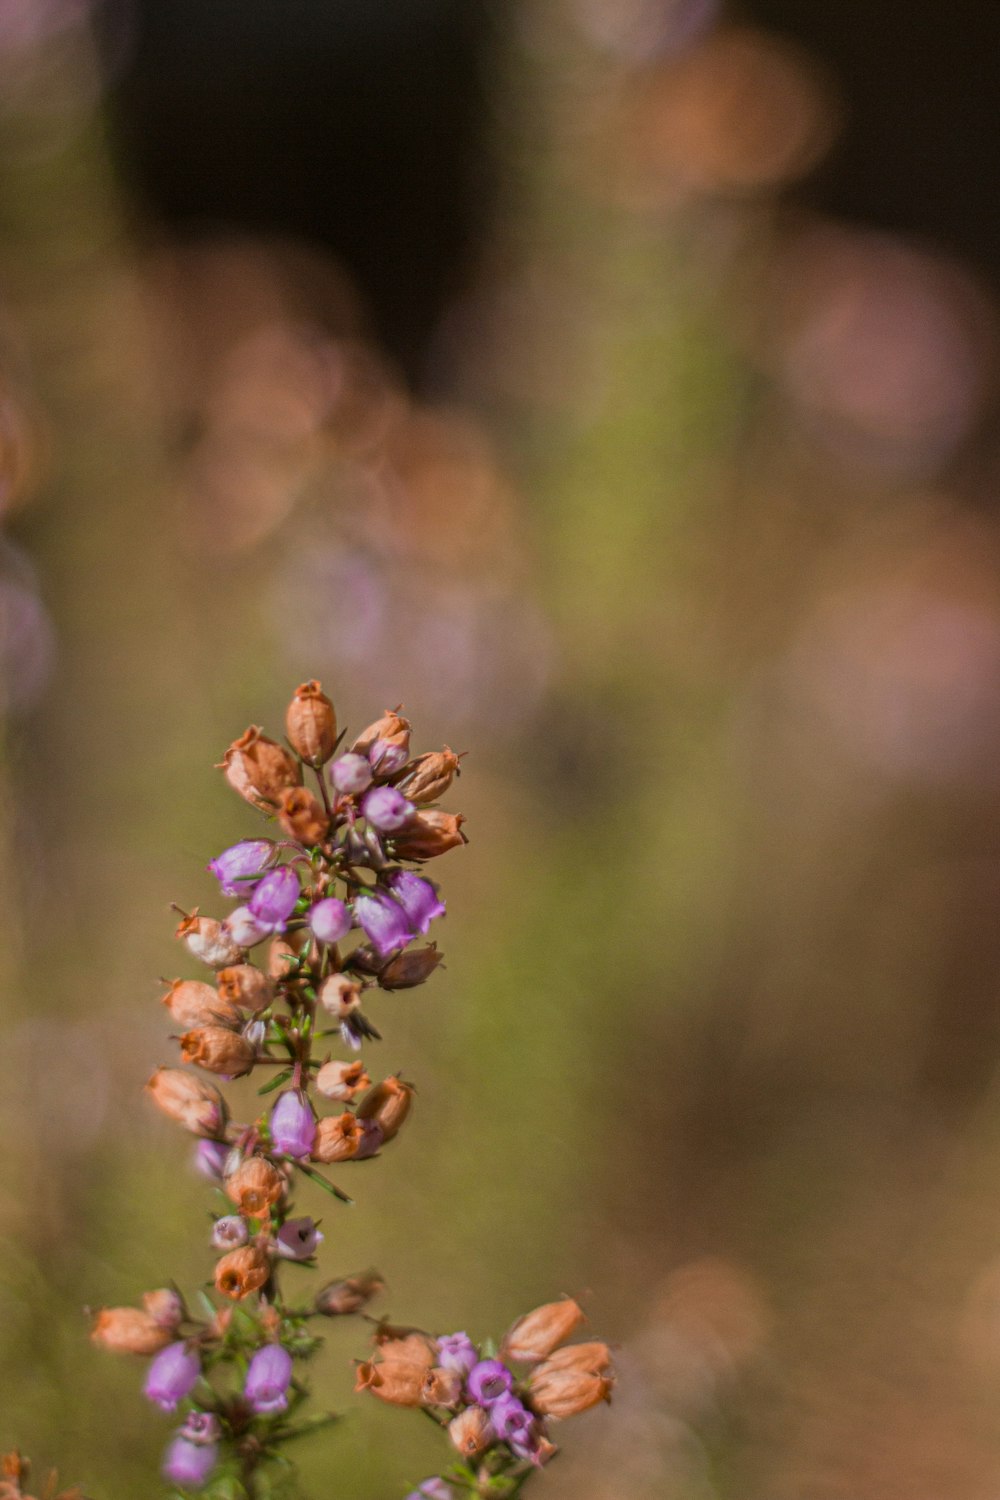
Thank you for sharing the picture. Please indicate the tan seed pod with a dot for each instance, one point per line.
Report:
(302, 815)
(471, 1432)
(388, 1104)
(337, 1138)
(572, 1380)
(218, 1050)
(192, 1003)
(339, 995)
(210, 941)
(349, 1295)
(411, 968)
(429, 776)
(165, 1305)
(441, 1388)
(312, 723)
(534, 1336)
(189, 1100)
(242, 1271)
(400, 1384)
(281, 958)
(258, 768)
(390, 728)
(406, 1346)
(255, 1185)
(430, 833)
(130, 1330)
(246, 986)
(342, 1080)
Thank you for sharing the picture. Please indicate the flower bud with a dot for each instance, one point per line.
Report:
(165, 1305)
(268, 1378)
(245, 986)
(534, 1336)
(254, 1186)
(407, 970)
(173, 1374)
(383, 921)
(311, 724)
(302, 816)
(430, 776)
(386, 809)
(351, 774)
(389, 727)
(457, 1352)
(433, 1489)
(210, 1158)
(201, 1427)
(341, 1298)
(572, 1380)
(237, 868)
(129, 1330)
(337, 1138)
(192, 1003)
(401, 1384)
(388, 1104)
(244, 928)
(229, 1232)
(189, 1464)
(441, 1388)
(298, 1239)
(430, 833)
(218, 1050)
(339, 995)
(471, 1432)
(209, 941)
(342, 1080)
(329, 920)
(273, 902)
(190, 1101)
(242, 1271)
(386, 758)
(293, 1124)
(259, 769)
(418, 898)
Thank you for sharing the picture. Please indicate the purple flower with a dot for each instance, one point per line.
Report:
(298, 1239)
(268, 1379)
(293, 1124)
(237, 868)
(244, 927)
(383, 921)
(229, 1232)
(209, 1158)
(386, 809)
(457, 1352)
(351, 774)
(432, 1489)
(201, 1427)
(417, 897)
(172, 1375)
(387, 758)
(372, 1136)
(488, 1381)
(273, 902)
(189, 1464)
(330, 920)
(511, 1420)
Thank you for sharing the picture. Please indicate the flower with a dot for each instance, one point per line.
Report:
(244, 928)
(383, 920)
(173, 1375)
(293, 1124)
(471, 1431)
(229, 1232)
(572, 1380)
(201, 1427)
(457, 1352)
(330, 920)
(237, 868)
(311, 723)
(268, 1379)
(533, 1337)
(512, 1420)
(432, 1489)
(387, 809)
(129, 1330)
(210, 1158)
(298, 1239)
(342, 1080)
(273, 902)
(242, 1271)
(196, 1105)
(417, 897)
(189, 1464)
(255, 1185)
(488, 1381)
(351, 774)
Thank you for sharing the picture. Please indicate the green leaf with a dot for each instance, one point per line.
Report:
(321, 1181)
(275, 1082)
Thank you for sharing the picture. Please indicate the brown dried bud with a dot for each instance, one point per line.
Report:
(441, 1388)
(340, 1298)
(242, 1271)
(364, 960)
(471, 1432)
(218, 1050)
(129, 1330)
(399, 1383)
(165, 1305)
(406, 1346)
(258, 768)
(245, 986)
(429, 776)
(572, 1380)
(192, 1102)
(339, 995)
(312, 724)
(410, 968)
(430, 833)
(390, 728)
(342, 1080)
(281, 957)
(388, 1104)
(337, 1138)
(192, 1003)
(302, 816)
(255, 1185)
(211, 942)
(533, 1337)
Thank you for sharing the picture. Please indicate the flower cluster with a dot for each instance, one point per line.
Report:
(327, 913)
(496, 1409)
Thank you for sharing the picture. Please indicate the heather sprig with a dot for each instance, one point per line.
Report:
(329, 912)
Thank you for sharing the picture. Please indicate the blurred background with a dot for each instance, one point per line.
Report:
(613, 382)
